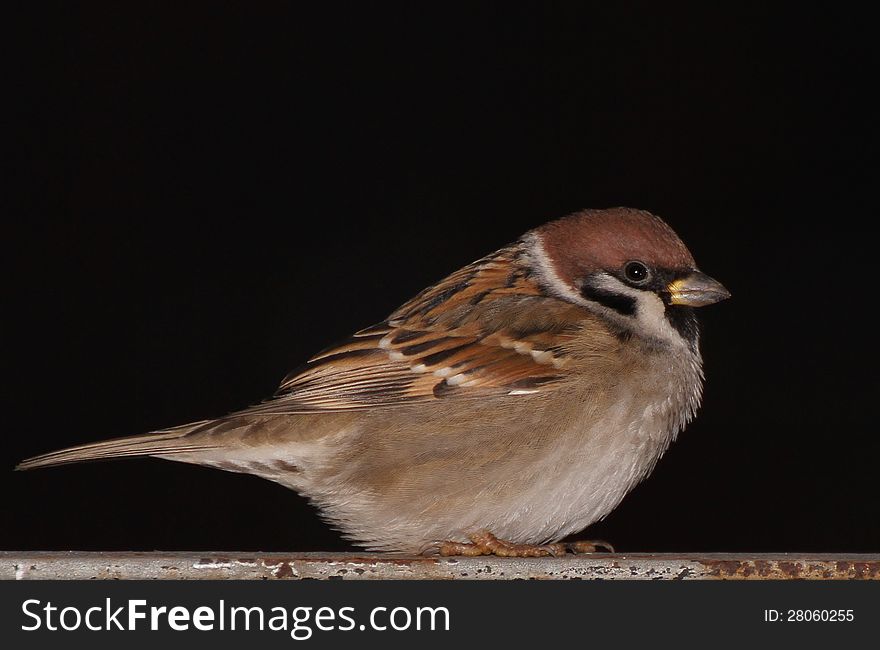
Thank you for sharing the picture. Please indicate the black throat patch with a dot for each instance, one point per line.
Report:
(684, 321)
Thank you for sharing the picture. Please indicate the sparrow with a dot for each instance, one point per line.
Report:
(510, 405)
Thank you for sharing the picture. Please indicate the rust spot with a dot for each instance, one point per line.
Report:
(819, 570)
(762, 567)
(722, 568)
(283, 570)
(866, 569)
(791, 569)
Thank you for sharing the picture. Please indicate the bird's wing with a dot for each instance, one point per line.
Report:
(485, 330)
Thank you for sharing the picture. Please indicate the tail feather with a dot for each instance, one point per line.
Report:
(165, 442)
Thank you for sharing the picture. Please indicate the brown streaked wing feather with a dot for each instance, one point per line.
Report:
(485, 329)
(497, 275)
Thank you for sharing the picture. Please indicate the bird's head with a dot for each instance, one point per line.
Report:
(627, 265)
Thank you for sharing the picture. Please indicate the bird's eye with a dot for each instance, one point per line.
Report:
(636, 272)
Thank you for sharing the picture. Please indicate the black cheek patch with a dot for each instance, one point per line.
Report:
(618, 302)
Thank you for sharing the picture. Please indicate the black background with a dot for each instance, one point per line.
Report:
(212, 193)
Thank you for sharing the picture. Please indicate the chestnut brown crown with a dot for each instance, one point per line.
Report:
(594, 240)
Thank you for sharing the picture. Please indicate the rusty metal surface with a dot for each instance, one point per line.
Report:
(367, 566)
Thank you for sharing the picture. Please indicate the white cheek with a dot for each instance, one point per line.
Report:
(651, 314)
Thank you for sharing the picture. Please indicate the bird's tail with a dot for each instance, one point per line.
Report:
(167, 442)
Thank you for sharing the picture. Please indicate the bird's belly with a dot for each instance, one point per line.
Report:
(407, 491)
(578, 480)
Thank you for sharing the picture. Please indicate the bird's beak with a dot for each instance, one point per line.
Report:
(696, 290)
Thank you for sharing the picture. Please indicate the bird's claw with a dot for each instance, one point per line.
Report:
(485, 543)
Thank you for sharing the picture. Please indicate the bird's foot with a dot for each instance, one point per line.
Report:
(485, 543)
(588, 546)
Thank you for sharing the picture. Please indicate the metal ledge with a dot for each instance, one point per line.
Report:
(75, 565)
